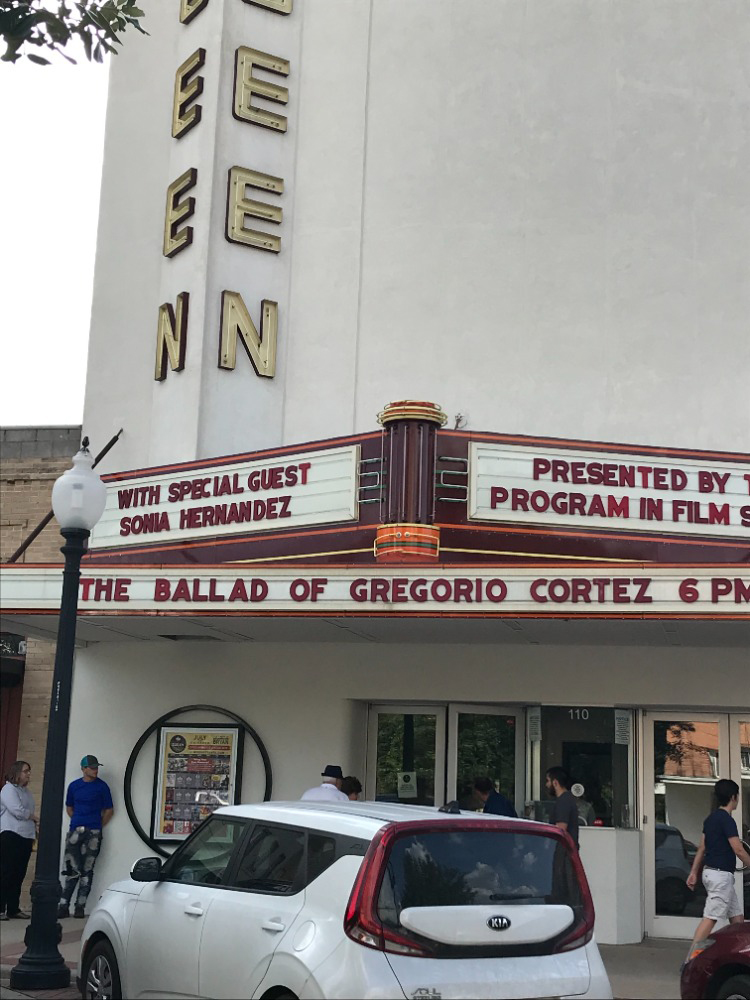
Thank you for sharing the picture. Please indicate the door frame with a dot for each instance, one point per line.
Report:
(664, 926)
(401, 708)
(519, 713)
(735, 772)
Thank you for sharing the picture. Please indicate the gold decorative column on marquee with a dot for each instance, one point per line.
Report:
(408, 533)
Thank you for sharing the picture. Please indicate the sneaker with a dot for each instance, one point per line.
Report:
(3, 916)
(62, 912)
(78, 912)
(19, 915)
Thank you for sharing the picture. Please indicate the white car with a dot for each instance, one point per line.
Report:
(361, 899)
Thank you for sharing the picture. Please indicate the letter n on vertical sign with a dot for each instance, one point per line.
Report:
(190, 9)
(261, 348)
(171, 336)
(186, 90)
(240, 208)
(247, 85)
(178, 210)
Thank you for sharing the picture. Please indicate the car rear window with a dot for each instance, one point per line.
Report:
(476, 868)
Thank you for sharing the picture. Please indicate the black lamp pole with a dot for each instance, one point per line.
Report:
(42, 967)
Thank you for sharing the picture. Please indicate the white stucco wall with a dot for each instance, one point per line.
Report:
(535, 214)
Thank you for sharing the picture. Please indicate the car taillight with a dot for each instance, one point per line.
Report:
(583, 929)
(361, 921)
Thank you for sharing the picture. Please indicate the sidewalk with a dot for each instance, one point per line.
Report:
(646, 971)
(12, 947)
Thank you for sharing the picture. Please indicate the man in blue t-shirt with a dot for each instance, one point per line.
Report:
(89, 804)
(494, 802)
(720, 846)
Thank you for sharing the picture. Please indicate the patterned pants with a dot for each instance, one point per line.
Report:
(82, 847)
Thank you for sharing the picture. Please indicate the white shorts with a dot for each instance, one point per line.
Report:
(722, 901)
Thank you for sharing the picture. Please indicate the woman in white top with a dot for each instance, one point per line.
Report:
(18, 823)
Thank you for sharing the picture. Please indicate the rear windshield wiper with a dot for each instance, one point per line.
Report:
(498, 897)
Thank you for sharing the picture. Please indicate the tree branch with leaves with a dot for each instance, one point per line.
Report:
(50, 25)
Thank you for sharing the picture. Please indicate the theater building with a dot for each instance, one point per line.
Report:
(425, 325)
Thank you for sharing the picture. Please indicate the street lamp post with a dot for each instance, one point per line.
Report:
(78, 500)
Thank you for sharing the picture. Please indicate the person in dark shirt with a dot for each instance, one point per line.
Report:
(564, 812)
(494, 801)
(351, 787)
(719, 848)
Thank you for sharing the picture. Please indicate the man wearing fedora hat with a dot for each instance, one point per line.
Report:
(330, 788)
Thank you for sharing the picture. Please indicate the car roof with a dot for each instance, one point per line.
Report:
(361, 819)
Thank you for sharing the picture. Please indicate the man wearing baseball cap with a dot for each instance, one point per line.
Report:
(89, 805)
(330, 788)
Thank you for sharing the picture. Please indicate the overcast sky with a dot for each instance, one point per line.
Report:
(52, 129)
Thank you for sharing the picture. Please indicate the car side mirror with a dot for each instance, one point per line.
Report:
(146, 870)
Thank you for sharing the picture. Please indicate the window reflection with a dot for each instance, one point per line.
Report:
(406, 758)
(486, 748)
(686, 765)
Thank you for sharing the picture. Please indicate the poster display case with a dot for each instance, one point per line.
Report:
(198, 769)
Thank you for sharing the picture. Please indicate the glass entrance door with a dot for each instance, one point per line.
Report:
(406, 754)
(685, 754)
(485, 742)
(739, 737)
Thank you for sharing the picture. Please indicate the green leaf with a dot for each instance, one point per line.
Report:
(37, 59)
(99, 24)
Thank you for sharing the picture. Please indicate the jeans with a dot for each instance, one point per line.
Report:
(15, 852)
(82, 847)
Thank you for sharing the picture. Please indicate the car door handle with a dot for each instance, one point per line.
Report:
(194, 911)
(273, 924)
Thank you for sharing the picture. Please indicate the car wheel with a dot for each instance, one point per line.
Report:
(101, 977)
(736, 988)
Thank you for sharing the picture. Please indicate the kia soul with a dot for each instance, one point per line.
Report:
(361, 899)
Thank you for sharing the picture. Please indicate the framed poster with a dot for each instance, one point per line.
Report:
(198, 769)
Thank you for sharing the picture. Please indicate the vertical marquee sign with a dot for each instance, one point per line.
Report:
(254, 210)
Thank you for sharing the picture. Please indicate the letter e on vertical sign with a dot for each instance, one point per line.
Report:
(246, 85)
(171, 336)
(261, 348)
(186, 90)
(178, 210)
(190, 9)
(240, 207)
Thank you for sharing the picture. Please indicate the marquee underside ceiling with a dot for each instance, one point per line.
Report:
(659, 633)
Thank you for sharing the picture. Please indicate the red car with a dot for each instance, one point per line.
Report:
(719, 967)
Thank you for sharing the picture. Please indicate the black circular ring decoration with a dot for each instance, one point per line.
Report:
(152, 729)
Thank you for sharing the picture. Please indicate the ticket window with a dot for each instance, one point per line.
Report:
(595, 747)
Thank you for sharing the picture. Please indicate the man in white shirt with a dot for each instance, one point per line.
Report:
(330, 788)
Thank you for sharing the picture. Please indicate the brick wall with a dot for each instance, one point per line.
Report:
(31, 459)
